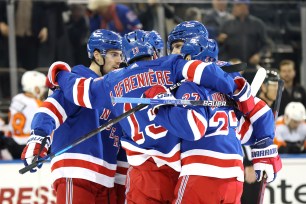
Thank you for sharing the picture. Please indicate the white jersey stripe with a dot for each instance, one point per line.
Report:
(199, 71)
(213, 154)
(86, 93)
(193, 125)
(213, 171)
(75, 91)
(185, 68)
(58, 107)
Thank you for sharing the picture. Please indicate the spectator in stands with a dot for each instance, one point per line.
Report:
(112, 16)
(193, 13)
(251, 188)
(216, 17)
(3, 36)
(291, 91)
(78, 31)
(31, 30)
(58, 42)
(147, 14)
(243, 37)
(22, 109)
(290, 133)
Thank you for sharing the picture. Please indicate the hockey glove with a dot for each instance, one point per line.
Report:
(54, 69)
(244, 98)
(265, 158)
(160, 92)
(36, 148)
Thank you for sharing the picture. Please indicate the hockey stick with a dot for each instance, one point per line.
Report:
(172, 101)
(88, 135)
(258, 80)
(263, 182)
(83, 138)
(234, 67)
(255, 86)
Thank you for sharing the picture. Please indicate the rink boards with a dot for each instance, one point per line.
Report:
(289, 187)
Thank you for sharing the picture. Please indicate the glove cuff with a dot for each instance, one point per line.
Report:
(268, 152)
(39, 139)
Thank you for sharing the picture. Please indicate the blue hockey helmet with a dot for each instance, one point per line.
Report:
(185, 30)
(136, 46)
(201, 48)
(103, 40)
(156, 41)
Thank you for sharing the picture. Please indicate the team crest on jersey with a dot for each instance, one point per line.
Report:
(221, 63)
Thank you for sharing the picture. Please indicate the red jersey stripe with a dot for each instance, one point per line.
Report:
(83, 164)
(191, 69)
(54, 110)
(80, 92)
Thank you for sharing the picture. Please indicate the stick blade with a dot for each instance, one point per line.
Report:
(258, 80)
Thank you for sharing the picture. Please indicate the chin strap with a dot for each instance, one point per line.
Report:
(100, 66)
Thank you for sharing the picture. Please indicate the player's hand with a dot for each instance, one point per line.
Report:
(54, 69)
(249, 174)
(160, 92)
(265, 158)
(243, 95)
(36, 148)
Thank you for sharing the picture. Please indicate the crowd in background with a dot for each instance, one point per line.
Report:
(50, 31)
(247, 32)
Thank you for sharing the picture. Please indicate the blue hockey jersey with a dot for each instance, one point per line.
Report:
(94, 159)
(218, 152)
(144, 139)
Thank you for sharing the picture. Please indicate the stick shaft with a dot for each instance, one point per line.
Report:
(171, 101)
(263, 183)
(83, 138)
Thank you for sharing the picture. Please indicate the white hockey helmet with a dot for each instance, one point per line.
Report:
(295, 111)
(32, 79)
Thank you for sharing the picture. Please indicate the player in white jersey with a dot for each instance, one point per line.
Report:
(22, 110)
(290, 135)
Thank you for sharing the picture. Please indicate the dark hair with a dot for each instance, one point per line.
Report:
(286, 62)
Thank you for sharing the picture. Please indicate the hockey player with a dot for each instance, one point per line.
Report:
(291, 129)
(22, 109)
(146, 144)
(85, 173)
(268, 91)
(251, 188)
(182, 32)
(215, 158)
